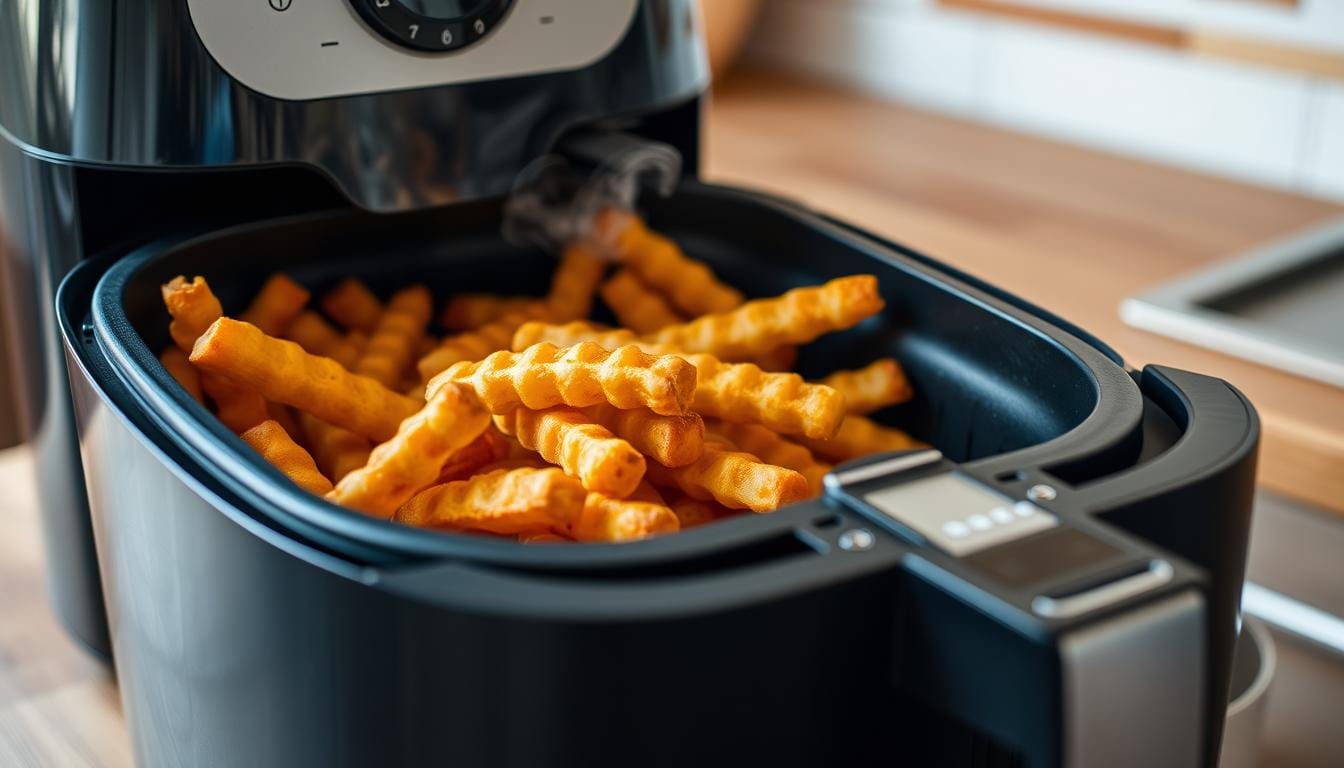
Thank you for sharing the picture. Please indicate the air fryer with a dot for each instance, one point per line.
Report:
(1088, 620)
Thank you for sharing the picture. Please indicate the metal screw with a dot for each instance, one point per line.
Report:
(856, 540)
(1041, 493)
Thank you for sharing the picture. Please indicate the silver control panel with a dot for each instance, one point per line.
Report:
(958, 515)
(313, 49)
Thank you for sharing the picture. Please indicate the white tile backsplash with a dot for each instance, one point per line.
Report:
(1257, 124)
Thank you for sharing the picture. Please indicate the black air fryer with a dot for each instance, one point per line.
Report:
(1055, 583)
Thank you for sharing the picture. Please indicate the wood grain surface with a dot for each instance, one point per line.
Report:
(1070, 229)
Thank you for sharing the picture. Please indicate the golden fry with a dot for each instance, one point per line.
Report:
(476, 345)
(860, 436)
(413, 458)
(544, 376)
(312, 332)
(338, 452)
(503, 501)
(781, 401)
(488, 448)
(637, 307)
(353, 306)
(692, 513)
(607, 519)
(567, 438)
(469, 311)
(574, 283)
(394, 339)
(177, 364)
(735, 480)
(193, 307)
(875, 386)
(769, 447)
(281, 371)
(761, 326)
(673, 441)
(275, 306)
(661, 265)
(569, 334)
(279, 449)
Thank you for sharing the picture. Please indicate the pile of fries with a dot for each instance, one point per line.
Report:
(529, 421)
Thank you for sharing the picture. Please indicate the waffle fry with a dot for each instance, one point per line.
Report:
(338, 452)
(488, 448)
(275, 306)
(574, 283)
(275, 445)
(353, 306)
(637, 307)
(734, 479)
(177, 364)
(469, 311)
(673, 441)
(781, 401)
(761, 326)
(860, 436)
(503, 501)
(567, 438)
(769, 447)
(394, 339)
(569, 334)
(607, 519)
(281, 371)
(312, 332)
(413, 458)
(873, 387)
(661, 265)
(544, 376)
(476, 345)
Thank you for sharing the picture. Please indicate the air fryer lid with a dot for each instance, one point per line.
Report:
(994, 385)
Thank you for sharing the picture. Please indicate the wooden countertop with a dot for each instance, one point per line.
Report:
(1073, 230)
(1070, 229)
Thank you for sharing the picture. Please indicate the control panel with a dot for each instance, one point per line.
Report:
(315, 49)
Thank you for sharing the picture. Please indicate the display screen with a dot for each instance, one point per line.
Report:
(1043, 557)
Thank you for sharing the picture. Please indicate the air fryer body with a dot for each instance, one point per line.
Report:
(118, 123)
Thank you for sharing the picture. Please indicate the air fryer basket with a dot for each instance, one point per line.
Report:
(989, 380)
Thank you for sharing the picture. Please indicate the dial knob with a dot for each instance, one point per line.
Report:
(433, 25)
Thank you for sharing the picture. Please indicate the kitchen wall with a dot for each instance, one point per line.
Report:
(1251, 89)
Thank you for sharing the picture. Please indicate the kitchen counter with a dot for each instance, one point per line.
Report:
(1071, 229)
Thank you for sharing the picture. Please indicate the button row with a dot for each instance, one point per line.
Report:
(960, 529)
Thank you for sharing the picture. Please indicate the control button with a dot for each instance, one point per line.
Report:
(956, 529)
(1041, 492)
(856, 540)
(979, 522)
(1001, 515)
(1024, 509)
(280, 5)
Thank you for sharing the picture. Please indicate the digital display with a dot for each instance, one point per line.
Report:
(957, 514)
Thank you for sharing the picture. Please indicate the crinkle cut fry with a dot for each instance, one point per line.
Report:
(871, 388)
(280, 370)
(571, 440)
(734, 479)
(469, 311)
(177, 364)
(338, 452)
(661, 265)
(607, 519)
(636, 306)
(768, 446)
(353, 306)
(275, 306)
(393, 342)
(760, 326)
(488, 448)
(575, 332)
(544, 376)
(279, 449)
(413, 458)
(312, 332)
(860, 436)
(575, 282)
(781, 401)
(673, 441)
(478, 344)
(503, 502)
